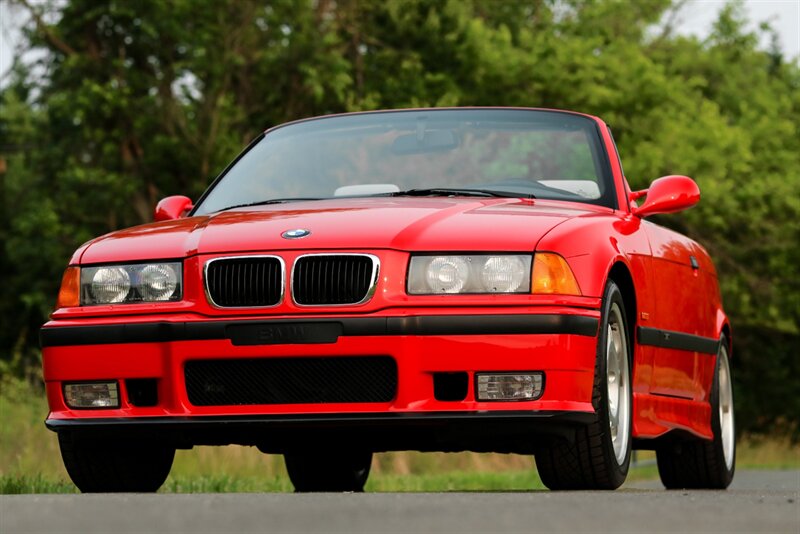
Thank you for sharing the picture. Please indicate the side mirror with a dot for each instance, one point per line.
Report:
(173, 207)
(667, 194)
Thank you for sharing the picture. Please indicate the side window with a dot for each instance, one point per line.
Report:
(616, 150)
(621, 168)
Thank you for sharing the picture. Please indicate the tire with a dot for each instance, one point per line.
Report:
(113, 466)
(333, 471)
(599, 456)
(699, 463)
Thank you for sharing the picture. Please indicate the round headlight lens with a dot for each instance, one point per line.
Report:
(503, 274)
(447, 274)
(157, 282)
(110, 285)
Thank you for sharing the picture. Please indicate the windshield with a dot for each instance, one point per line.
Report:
(508, 152)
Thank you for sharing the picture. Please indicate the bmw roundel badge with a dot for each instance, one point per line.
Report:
(295, 234)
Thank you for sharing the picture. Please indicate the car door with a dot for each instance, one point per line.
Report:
(678, 294)
(710, 305)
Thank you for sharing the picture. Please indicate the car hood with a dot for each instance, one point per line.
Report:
(402, 223)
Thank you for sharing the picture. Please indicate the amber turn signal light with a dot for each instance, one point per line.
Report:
(552, 275)
(69, 294)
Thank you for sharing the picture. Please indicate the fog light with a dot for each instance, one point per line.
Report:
(510, 386)
(92, 395)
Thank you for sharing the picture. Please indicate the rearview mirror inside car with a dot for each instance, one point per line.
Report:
(426, 141)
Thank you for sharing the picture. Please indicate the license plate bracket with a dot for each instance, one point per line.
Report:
(284, 333)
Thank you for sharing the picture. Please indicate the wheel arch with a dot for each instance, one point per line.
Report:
(726, 331)
(620, 274)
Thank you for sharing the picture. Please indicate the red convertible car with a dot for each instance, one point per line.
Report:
(458, 279)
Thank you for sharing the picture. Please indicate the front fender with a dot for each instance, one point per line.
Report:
(593, 244)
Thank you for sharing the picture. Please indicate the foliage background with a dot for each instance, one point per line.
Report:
(128, 102)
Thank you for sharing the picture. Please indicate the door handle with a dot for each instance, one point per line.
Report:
(693, 261)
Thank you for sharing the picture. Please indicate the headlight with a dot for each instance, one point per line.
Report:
(124, 284)
(110, 285)
(478, 273)
(447, 274)
(158, 282)
(505, 274)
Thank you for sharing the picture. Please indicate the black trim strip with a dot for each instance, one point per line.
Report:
(669, 339)
(208, 422)
(292, 331)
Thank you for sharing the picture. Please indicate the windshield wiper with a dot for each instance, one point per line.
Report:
(270, 201)
(447, 191)
(431, 192)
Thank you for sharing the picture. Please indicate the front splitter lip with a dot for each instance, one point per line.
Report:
(321, 420)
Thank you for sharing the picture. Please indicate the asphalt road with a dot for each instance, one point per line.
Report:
(758, 501)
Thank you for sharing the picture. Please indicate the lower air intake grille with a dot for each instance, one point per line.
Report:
(291, 380)
(249, 281)
(323, 279)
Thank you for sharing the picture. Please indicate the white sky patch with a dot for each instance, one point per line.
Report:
(187, 86)
(698, 16)
(10, 35)
(12, 19)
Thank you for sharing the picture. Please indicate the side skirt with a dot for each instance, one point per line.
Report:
(657, 415)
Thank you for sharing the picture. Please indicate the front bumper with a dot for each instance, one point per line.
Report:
(561, 343)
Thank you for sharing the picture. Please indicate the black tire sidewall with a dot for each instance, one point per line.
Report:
(611, 296)
(98, 465)
(725, 475)
(337, 470)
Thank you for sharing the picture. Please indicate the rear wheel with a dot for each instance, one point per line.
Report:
(112, 466)
(702, 463)
(600, 455)
(313, 471)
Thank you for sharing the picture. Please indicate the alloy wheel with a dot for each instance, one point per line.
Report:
(618, 383)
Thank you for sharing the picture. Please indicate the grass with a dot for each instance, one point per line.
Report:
(245, 469)
(766, 452)
(30, 462)
(20, 483)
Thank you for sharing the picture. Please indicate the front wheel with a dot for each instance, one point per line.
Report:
(112, 466)
(703, 464)
(600, 454)
(329, 470)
